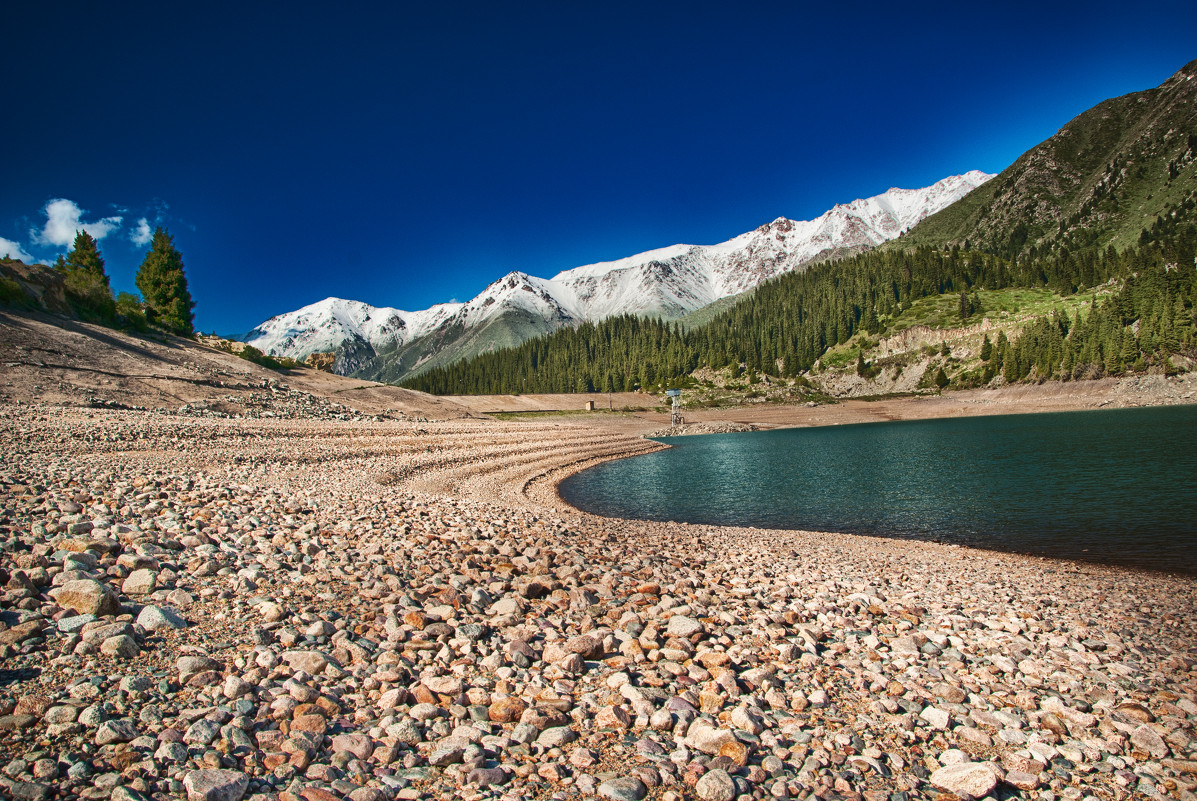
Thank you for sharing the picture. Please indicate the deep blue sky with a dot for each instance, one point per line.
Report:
(405, 154)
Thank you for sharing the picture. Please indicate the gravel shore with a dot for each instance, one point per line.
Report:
(380, 609)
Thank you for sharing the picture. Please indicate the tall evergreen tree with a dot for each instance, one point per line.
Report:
(164, 287)
(85, 257)
(86, 282)
(941, 380)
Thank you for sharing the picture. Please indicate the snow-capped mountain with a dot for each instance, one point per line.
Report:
(669, 282)
(336, 325)
(679, 279)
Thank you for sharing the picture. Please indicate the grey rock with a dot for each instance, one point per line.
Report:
(92, 716)
(72, 624)
(446, 755)
(116, 731)
(406, 731)
(716, 785)
(30, 791)
(171, 752)
(215, 785)
(140, 582)
(158, 618)
(525, 733)
(202, 732)
(127, 794)
(685, 627)
(556, 736)
(624, 788)
(57, 715)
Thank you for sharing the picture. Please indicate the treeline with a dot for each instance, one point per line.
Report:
(165, 300)
(617, 355)
(790, 322)
(1149, 319)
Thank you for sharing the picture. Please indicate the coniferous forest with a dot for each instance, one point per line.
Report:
(1145, 314)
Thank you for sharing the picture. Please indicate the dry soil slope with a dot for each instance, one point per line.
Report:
(54, 359)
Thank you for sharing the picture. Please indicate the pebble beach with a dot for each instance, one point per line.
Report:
(320, 608)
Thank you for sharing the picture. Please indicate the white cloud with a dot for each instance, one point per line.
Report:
(142, 234)
(13, 250)
(64, 219)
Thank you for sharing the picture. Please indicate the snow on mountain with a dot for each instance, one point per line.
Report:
(670, 281)
(327, 325)
(518, 291)
(676, 280)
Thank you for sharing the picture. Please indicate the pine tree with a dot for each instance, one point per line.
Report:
(164, 287)
(85, 257)
(86, 282)
(1010, 369)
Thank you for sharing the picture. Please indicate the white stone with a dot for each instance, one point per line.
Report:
(974, 778)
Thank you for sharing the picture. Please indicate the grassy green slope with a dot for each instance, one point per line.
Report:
(700, 317)
(1100, 180)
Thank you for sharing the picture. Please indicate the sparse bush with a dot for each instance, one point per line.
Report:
(130, 313)
(252, 354)
(11, 293)
(868, 370)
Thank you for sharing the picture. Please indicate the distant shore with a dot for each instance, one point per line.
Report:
(1054, 396)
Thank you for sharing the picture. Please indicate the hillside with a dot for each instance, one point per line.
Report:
(51, 357)
(1103, 178)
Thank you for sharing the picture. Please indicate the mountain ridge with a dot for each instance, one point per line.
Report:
(1102, 178)
(670, 282)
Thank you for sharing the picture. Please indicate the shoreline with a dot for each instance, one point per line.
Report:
(1044, 399)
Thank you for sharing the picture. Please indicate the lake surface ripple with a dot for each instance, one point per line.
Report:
(1116, 486)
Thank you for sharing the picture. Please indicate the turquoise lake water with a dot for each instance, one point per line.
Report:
(1116, 486)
